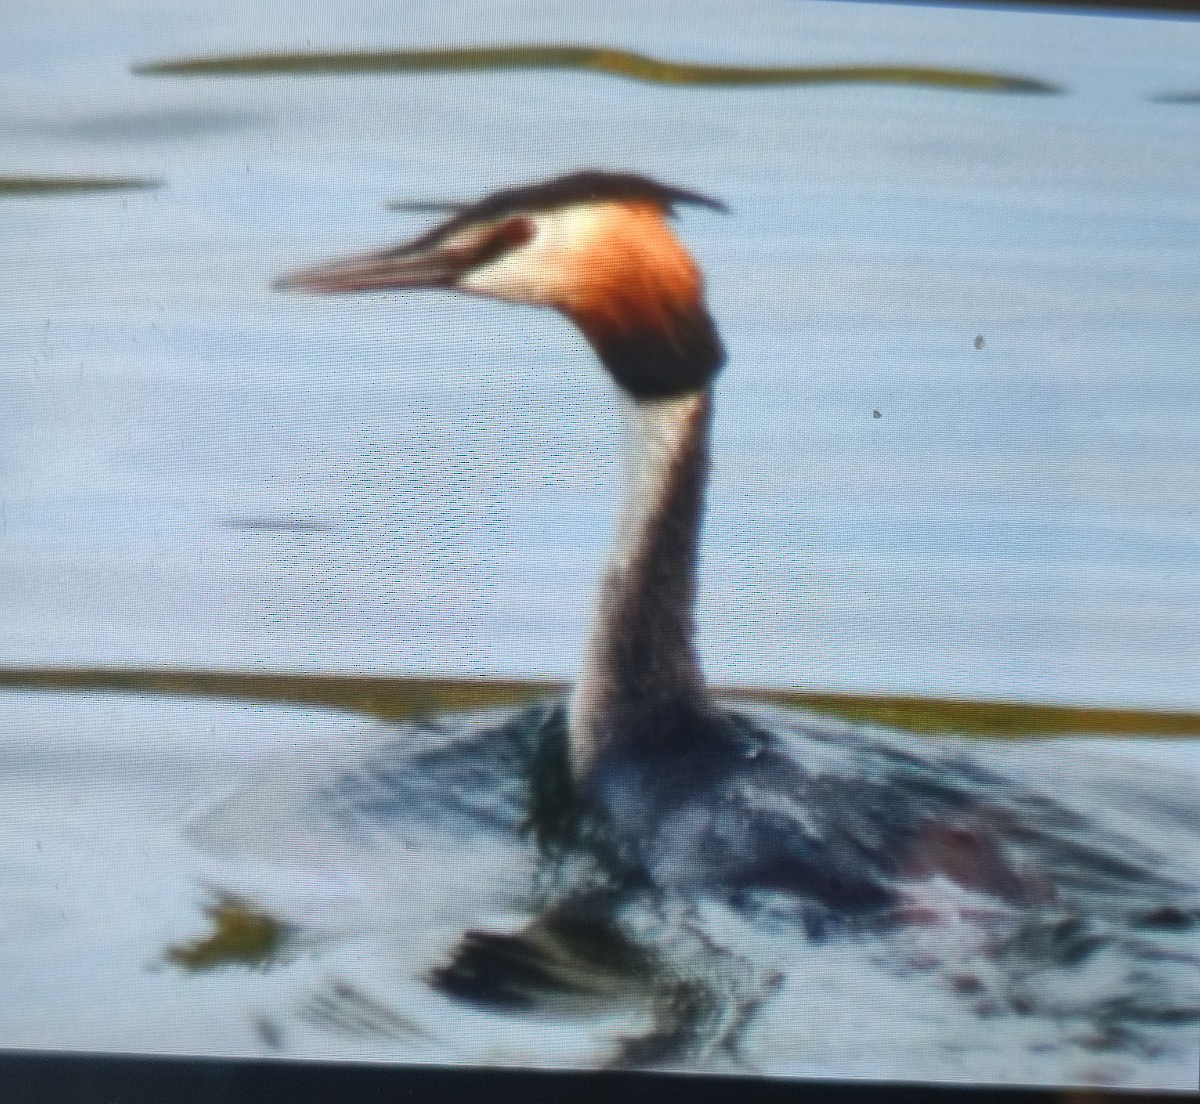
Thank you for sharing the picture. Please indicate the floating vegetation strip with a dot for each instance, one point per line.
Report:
(390, 698)
(398, 698)
(949, 716)
(53, 185)
(594, 59)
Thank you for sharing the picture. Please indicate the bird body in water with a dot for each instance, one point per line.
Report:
(597, 247)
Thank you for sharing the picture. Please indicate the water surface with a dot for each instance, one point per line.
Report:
(955, 490)
(241, 879)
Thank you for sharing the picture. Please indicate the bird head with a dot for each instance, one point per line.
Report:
(595, 246)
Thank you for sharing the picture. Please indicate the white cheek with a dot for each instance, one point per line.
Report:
(544, 271)
(524, 275)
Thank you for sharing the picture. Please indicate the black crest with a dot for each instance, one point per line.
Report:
(586, 186)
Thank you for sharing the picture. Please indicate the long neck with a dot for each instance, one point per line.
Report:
(640, 665)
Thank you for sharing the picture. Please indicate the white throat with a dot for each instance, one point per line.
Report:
(655, 433)
(640, 661)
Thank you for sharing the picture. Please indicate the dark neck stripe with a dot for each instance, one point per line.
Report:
(662, 362)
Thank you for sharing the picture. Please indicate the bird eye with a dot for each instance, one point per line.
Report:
(507, 235)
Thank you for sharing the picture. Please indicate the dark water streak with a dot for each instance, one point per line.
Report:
(58, 185)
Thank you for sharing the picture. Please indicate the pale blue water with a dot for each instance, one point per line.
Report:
(195, 471)
(1021, 521)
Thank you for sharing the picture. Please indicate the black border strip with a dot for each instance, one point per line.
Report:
(66, 1078)
(1133, 9)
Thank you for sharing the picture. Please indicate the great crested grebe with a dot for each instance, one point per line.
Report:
(686, 793)
(596, 247)
(676, 790)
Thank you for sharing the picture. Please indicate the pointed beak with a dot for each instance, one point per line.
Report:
(406, 266)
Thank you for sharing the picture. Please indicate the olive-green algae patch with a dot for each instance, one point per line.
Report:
(242, 935)
(63, 185)
(593, 59)
(401, 698)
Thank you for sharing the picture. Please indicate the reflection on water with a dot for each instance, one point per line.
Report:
(305, 881)
(619, 63)
(1026, 932)
(276, 524)
(242, 934)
